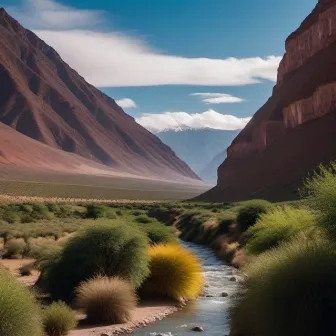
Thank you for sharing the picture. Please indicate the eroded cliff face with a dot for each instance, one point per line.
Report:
(295, 130)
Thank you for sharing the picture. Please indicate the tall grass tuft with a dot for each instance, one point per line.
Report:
(320, 193)
(288, 291)
(107, 300)
(175, 273)
(113, 249)
(58, 319)
(250, 211)
(278, 226)
(19, 312)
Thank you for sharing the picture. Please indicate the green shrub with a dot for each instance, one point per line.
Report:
(107, 300)
(26, 218)
(11, 217)
(278, 226)
(58, 319)
(320, 193)
(288, 291)
(143, 219)
(113, 249)
(53, 207)
(249, 212)
(26, 208)
(100, 211)
(19, 312)
(224, 222)
(159, 233)
(15, 248)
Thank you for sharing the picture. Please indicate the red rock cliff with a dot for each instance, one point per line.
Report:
(43, 98)
(295, 130)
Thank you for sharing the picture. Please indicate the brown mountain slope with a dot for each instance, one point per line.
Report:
(18, 150)
(43, 98)
(295, 130)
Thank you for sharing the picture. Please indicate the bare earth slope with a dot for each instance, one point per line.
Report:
(43, 98)
(295, 130)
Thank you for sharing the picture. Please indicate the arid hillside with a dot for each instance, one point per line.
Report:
(46, 100)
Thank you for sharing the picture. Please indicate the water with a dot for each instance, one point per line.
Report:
(208, 312)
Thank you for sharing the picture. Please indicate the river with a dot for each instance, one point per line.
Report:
(209, 311)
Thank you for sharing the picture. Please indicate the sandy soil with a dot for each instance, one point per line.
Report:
(147, 312)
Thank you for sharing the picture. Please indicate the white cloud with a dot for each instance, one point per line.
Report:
(217, 98)
(48, 14)
(181, 120)
(126, 103)
(108, 59)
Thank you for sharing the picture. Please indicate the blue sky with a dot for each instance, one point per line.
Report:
(159, 53)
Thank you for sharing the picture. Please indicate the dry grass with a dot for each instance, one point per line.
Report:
(107, 300)
(175, 273)
(58, 319)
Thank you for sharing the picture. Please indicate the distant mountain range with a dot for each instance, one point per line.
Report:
(43, 98)
(200, 149)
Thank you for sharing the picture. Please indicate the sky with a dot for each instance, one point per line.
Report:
(171, 64)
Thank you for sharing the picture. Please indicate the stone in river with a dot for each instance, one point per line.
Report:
(197, 329)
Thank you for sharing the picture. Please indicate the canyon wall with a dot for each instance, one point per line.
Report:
(295, 130)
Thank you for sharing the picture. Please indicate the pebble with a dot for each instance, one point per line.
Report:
(233, 279)
(225, 294)
(106, 334)
(197, 329)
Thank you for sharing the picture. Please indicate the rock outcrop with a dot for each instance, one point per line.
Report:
(44, 99)
(295, 130)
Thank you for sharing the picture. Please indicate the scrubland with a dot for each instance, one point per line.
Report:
(88, 253)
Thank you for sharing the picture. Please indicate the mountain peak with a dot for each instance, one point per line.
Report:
(44, 98)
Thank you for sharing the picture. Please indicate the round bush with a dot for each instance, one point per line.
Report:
(106, 249)
(15, 248)
(107, 300)
(11, 217)
(288, 291)
(278, 226)
(58, 319)
(250, 212)
(158, 233)
(175, 273)
(19, 312)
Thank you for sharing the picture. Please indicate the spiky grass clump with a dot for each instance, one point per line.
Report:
(58, 319)
(175, 273)
(288, 291)
(250, 211)
(112, 249)
(278, 226)
(107, 300)
(19, 312)
(320, 193)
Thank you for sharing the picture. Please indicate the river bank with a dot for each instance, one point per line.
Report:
(210, 310)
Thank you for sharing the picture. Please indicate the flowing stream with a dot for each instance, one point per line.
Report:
(209, 311)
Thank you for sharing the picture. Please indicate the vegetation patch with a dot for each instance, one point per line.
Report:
(58, 319)
(19, 312)
(175, 273)
(107, 300)
(109, 249)
(288, 291)
(280, 225)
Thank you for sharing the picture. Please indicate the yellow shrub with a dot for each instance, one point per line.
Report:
(175, 273)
